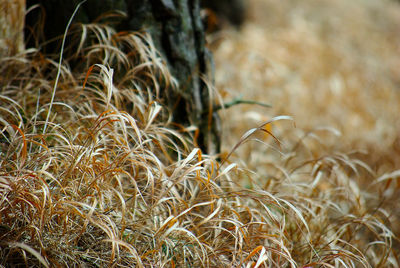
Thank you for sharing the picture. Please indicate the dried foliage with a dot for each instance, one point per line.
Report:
(108, 180)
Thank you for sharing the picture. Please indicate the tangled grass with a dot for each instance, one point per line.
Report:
(109, 180)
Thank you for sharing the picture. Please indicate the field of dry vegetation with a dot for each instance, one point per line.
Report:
(95, 174)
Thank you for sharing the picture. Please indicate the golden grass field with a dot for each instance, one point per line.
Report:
(99, 176)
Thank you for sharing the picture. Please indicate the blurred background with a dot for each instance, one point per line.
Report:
(328, 64)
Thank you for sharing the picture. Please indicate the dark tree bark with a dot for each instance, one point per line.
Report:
(177, 31)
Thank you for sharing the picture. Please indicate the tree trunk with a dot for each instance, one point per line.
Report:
(177, 32)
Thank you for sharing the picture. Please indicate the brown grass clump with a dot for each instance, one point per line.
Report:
(11, 27)
(103, 178)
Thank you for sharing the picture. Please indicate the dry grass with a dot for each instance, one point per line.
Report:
(326, 63)
(334, 67)
(108, 180)
(11, 27)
